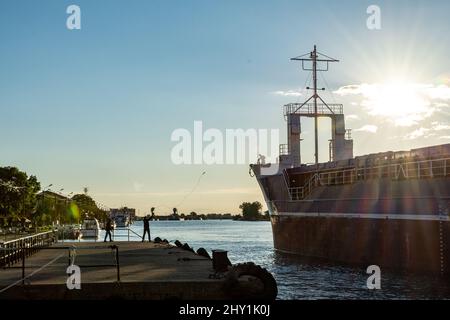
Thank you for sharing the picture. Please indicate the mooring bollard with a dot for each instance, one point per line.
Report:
(220, 260)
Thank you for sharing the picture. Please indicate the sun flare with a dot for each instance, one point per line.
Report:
(402, 101)
(405, 103)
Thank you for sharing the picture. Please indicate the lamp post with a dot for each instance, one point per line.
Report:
(56, 207)
(67, 203)
(43, 192)
(45, 189)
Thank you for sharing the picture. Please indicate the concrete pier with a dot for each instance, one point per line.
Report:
(147, 271)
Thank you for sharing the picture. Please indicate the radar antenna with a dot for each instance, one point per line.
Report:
(315, 57)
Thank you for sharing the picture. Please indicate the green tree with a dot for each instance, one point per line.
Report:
(61, 211)
(251, 210)
(17, 195)
(52, 208)
(87, 206)
(175, 213)
(45, 212)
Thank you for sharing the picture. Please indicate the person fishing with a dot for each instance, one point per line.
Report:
(108, 228)
(147, 227)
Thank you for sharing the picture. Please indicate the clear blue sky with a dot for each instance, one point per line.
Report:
(96, 107)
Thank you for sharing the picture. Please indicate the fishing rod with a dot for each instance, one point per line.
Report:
(188, 194)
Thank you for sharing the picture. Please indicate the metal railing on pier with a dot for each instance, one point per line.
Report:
(129, 232)
(26, 252)
(64, 235)
(14, 253)
(13, 250)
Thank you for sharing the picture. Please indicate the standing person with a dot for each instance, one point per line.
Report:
(108, 228)
(146, 228)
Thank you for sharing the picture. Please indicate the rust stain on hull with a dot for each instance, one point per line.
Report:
(407, 245)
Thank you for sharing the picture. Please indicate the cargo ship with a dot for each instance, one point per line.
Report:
(389, 209)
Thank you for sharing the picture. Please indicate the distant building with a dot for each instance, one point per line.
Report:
(52, 195)
(130, 212)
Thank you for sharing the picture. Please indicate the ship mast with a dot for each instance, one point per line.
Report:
(314, 58)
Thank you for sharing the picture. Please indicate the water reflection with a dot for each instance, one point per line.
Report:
(303, 278)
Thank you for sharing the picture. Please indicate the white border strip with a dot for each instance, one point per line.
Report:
(367, 216)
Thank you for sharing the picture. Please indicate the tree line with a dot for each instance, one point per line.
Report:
(250, 211)
(22, 202)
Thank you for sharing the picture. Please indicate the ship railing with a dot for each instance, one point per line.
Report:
(296, 193)
(338, 177)
(421, 169)
(284, 149)
(312, 182)
(286, 179)
(299, 193)
(308, 109)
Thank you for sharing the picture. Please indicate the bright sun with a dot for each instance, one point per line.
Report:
(403, 102)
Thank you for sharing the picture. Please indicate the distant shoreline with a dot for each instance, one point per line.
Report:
(232, 218)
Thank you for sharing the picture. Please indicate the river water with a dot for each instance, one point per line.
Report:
(296, 278)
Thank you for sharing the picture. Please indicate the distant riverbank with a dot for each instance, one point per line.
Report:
(177, 217)
(209, 216)
(261, 218)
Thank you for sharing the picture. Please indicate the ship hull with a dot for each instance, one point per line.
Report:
(409, 245)
(388, 209)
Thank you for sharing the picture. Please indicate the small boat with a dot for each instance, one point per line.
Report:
(73, 232)
(90, 229)
(121, 221)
